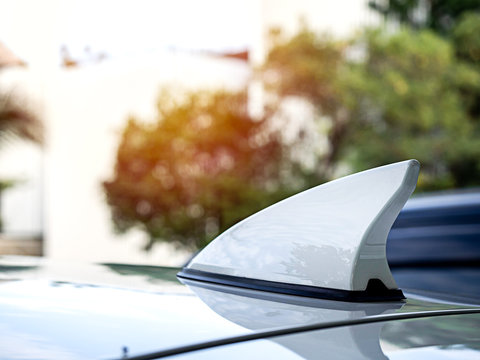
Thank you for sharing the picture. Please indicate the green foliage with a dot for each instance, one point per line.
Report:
(440, 16)
(443, 15)
(306, 65)
(466, 38)
(202, 166)
(404, 95)
(309, 66)
(406, 103)
(443, 91)
(401, 10)
(466, 41)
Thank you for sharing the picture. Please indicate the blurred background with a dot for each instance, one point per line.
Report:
(137, 131)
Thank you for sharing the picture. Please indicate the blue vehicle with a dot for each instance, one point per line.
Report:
(434, 245)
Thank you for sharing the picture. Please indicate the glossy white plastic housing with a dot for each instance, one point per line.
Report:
(331, 236)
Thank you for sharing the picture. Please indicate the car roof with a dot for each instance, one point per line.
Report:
(372, 340)
(112, 312)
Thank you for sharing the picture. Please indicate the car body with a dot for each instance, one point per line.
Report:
(444, 230)
(233, 309)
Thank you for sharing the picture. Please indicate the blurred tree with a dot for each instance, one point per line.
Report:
(308, 66)
(16, 122)
(438, 15)
(466, 38)
(202, 166)
(457, 20)
(406, 102)
(399, 10)
(205, 164)
(389, 97)
(466, 41)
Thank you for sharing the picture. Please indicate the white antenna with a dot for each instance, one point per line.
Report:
(328, 241)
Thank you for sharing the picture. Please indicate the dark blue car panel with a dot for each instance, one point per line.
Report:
(434, 244)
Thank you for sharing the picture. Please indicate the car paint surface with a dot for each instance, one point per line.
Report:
(443, 228)
(50, 315)
(434, 245)
(439, 338)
